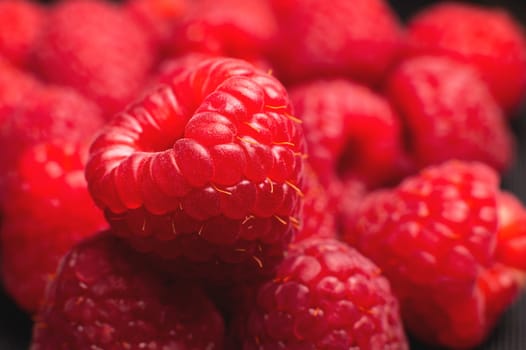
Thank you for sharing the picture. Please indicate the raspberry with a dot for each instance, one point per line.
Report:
(325, 295)
(14, 86)
(47, 113)
(20, 26)
(319, 208)
(350, 131)
(105, 297)
(449, 113)
(511, 246)
(434, 237)
(158, 17)
(235, 28)
(360, 39)
(206, 168)
(487, 38)
(96, 48)
(47, 210)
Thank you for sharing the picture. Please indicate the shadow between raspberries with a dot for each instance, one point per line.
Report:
(15, 325)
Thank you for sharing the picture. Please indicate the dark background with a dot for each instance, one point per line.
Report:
(510, 333)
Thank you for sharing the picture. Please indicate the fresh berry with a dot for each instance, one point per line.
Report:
(47, 113)
(159, 17)
(206, 168)
(449, 113)
(434, 237)
(104, 296)
(489, 39)
(350, 131)
(47, 209)
(21, 22)
(96, 48)
(325, 295)
(319, 209)
(511, 246)
(360, 39)
(235, 28)
(14, 87)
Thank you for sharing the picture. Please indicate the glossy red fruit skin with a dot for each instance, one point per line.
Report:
(351, 132)
(20, 25)
(434, 236)
(448, 113)
(97, 48)
(207, 168)
(47, 209)
(325, 295)
(106, 296)
(361, 39)
(487, 38)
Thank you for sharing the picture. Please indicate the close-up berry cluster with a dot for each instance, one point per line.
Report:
(262, 175)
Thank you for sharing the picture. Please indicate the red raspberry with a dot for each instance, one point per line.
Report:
(319, 209)
(105, 297)
(449, 113)
(325, 295)
(434, 237)
(359, 38)
(236, 28)
(158, 17)
(206, 168)
(95, 47)
(487, 38)
(20, 25)
(14, 86)
(47, 113)
(511, 246)
(350, 131)
(47, 210)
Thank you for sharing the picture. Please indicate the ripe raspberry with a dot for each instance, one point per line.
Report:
(360, 39)
(96, 48)
(158, 17)
(47, 113)
(206, 168)
(14, 86)
(487, 38)
(235, 28)
(325, 295)
(20, 26)
(47, 209)
(449, 113)
(434, 237)
(511, 245)
(350, 131)
(319, 209)
(105, 297)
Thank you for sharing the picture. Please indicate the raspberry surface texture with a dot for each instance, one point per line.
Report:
(235, 28)
(487, 38)
(325, 295)
(511, 246)
(448, 113)
(96, 48)
(44, 114)
(21, 22)
(351, 131)
(206, 168)
(434, 237)
(360, 39)
(105, 297)
(46, 210)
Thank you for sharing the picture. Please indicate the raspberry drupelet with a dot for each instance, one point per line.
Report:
(205, 169)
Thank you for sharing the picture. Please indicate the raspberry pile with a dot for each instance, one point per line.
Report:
(257, 175)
